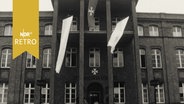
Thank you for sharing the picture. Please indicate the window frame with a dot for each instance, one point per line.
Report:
(94, 60)
(181, 88)
(8, 55)
(140, 33)
(158, 89)
(9, 31)
(119, 88)
(45, 91)
(142, 52)
(4, 94)
(47, 57)
(179, 55)
(48, 32)
(70, 88)
(175, 31)
(115, 20)
(145, 87)
(74, 25)
(97, 24)
(152, 31)
(120, 55)
(31, 63)
(155, 58)
(70, 52)
(27, 91)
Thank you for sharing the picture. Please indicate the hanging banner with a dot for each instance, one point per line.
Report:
(25, 27)
(117, 33)
(91, 14)
(63, 42)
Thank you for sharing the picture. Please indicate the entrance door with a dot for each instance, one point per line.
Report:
(94, 97)
(95, 93)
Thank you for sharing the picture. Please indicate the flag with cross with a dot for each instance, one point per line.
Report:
(91, 11)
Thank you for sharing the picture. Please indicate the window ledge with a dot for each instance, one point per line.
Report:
(5, 68)
(181, 69)
(156, 68)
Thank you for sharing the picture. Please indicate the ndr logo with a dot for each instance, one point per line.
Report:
(25, 41)
(25, 34)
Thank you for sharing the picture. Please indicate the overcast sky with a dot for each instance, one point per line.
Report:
(164, 6)
(156, 6)
(44, 5)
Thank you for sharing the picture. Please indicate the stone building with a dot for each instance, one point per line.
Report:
(151, 49)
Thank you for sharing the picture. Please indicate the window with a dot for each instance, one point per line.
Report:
(119, 93)
(48, 29)
(71, 57)
(115, 20)
(145, 93)
(30, 61)
(142, 55)
(70, 93)
(29, 93)
(45, 94)
(153, 31)
(181, 91)
(6, 58)
(180, 58)
(118, 60)
(160, 98)
(156, 58)
(47, 58)
(140, 31)
(8, 30)
(94, 57)
(74, 24)
(97, 24)
(3, 93)
(177, 31)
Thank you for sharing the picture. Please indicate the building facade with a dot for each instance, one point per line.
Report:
(160, 46)
(152, 48)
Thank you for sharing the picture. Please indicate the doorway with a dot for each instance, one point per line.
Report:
(95, 93)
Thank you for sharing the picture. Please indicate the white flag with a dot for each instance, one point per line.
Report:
(63, 42)
(117, 33)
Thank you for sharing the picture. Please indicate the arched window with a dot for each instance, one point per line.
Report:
(153, 30)
(48, 29)
(46, 58)
(6, 58)
(8, 30)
